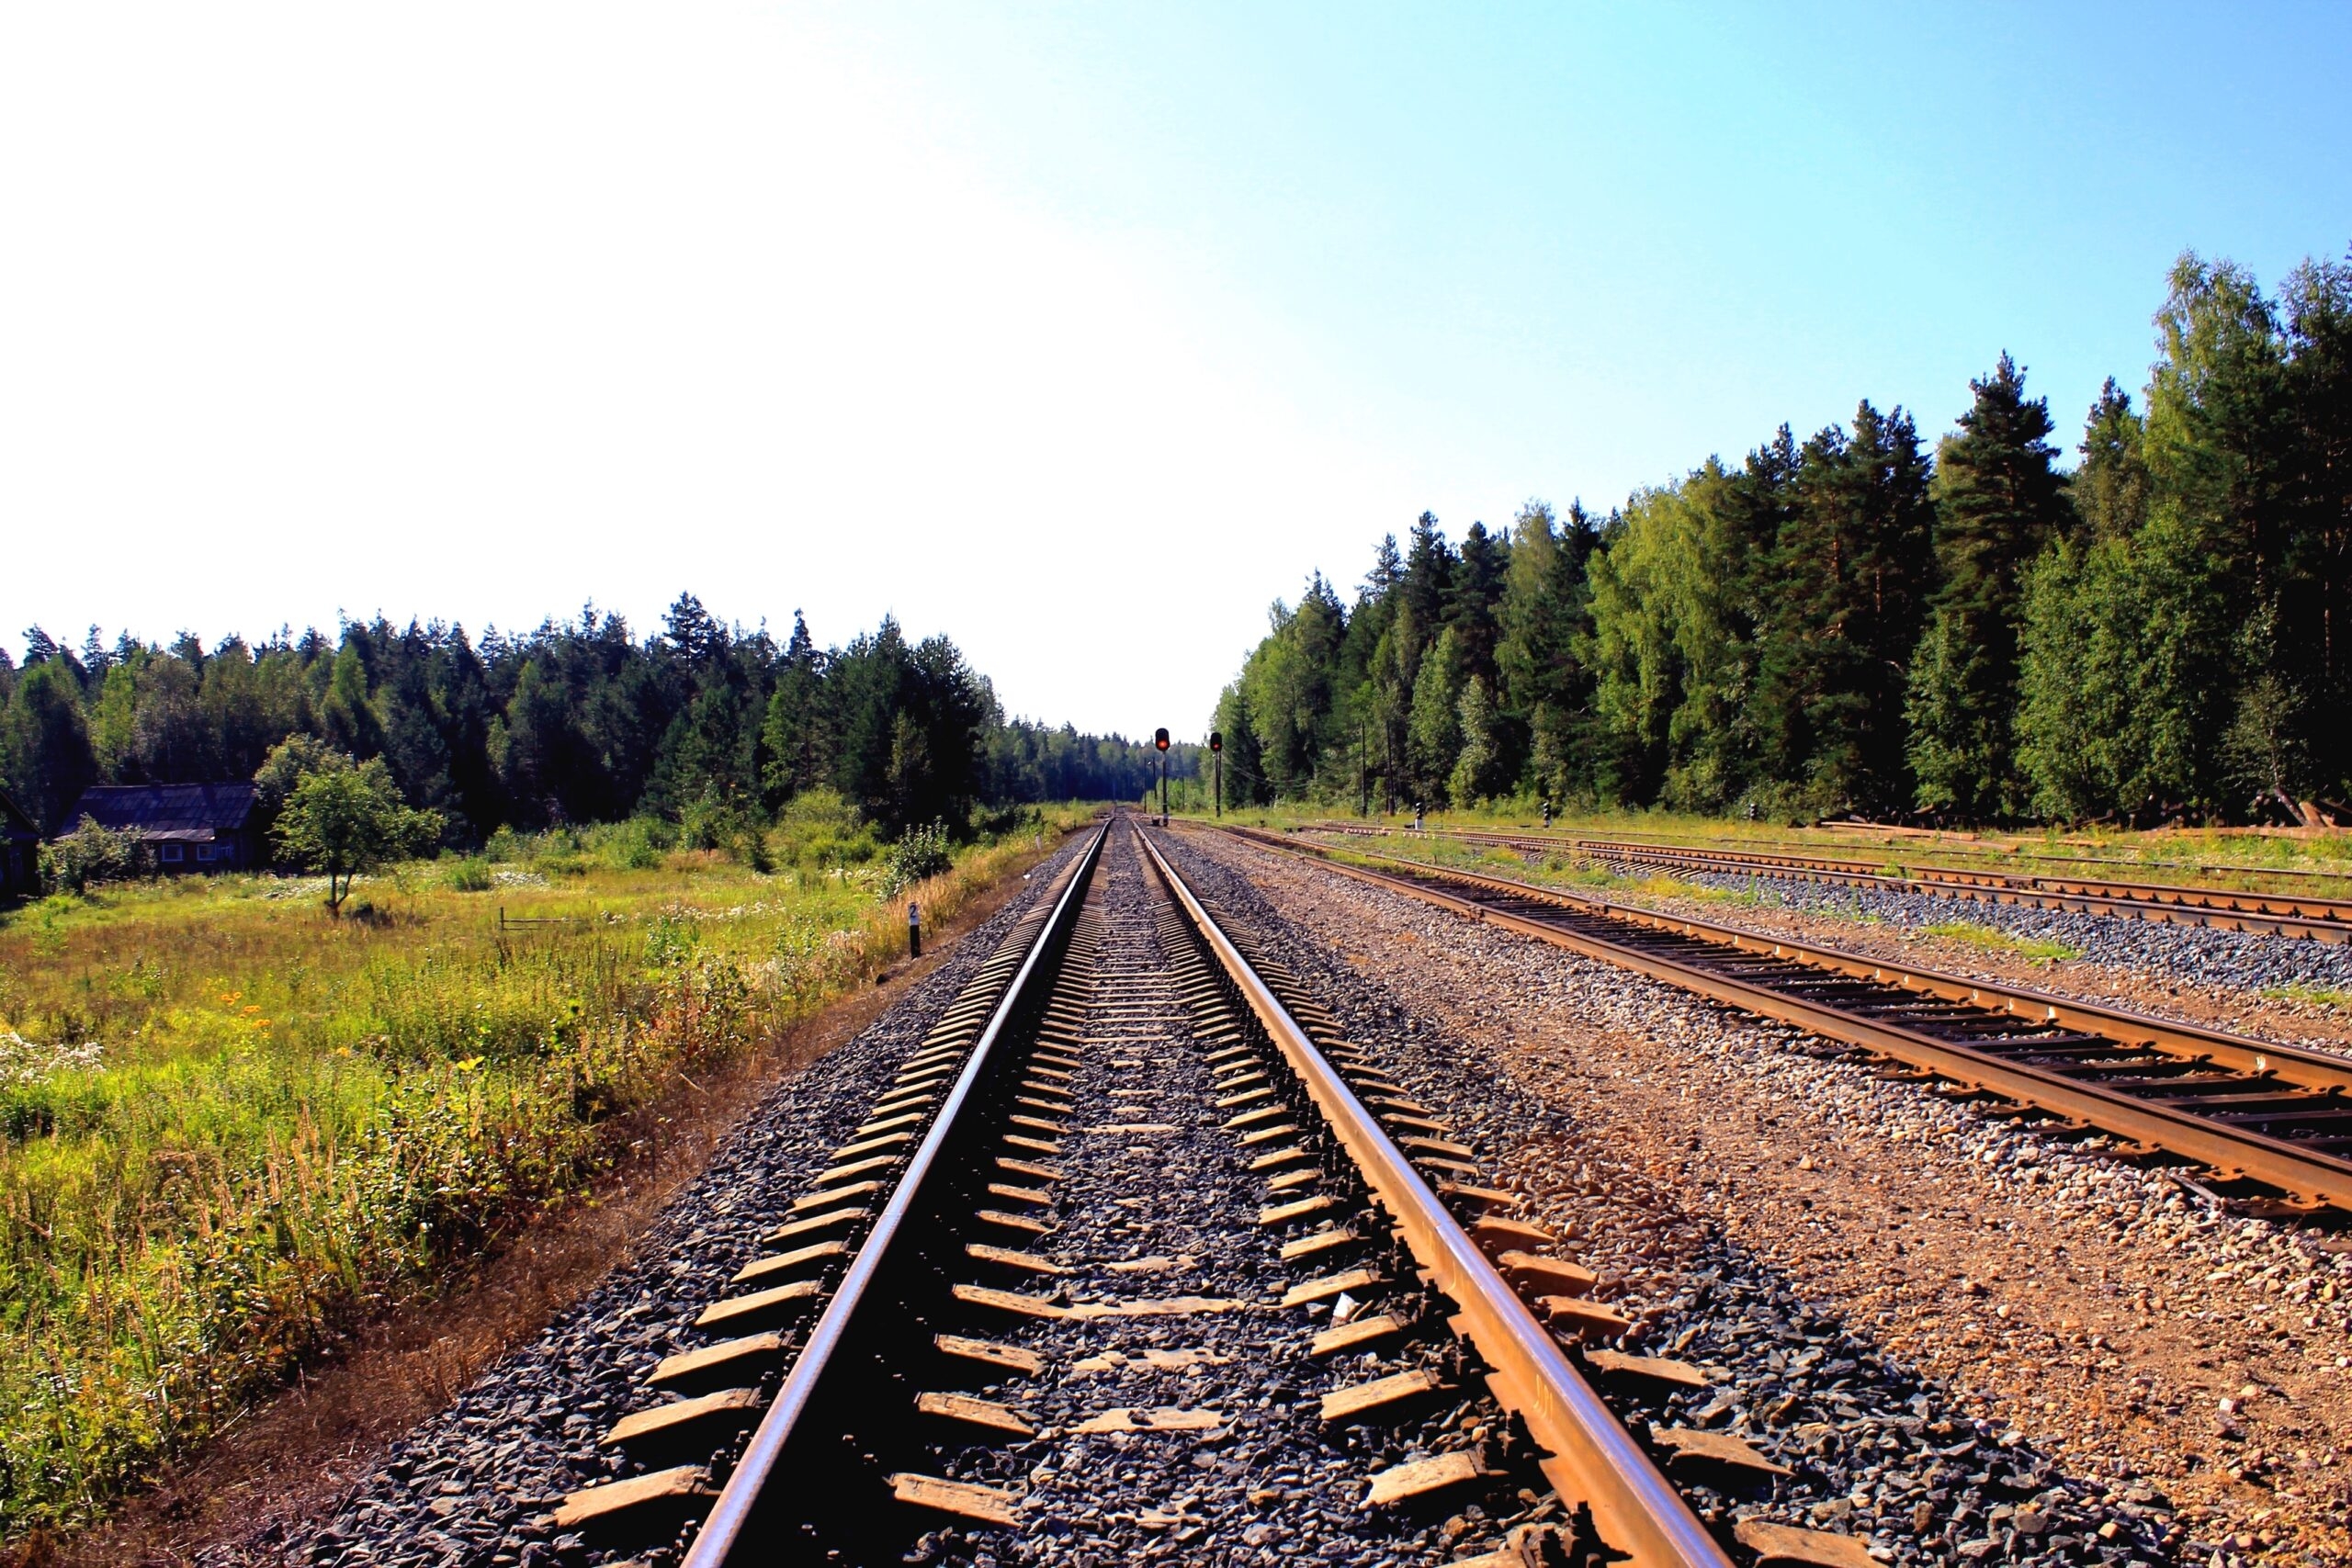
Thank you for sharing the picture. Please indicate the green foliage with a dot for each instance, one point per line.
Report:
(467, 873)
(918, 856)
(1993, 940)
(343, 819)
(705, 727)
(45, 757)
(1999, 503)
(92, 854)
(1842, 624)
(1433, 735)
(291, 761)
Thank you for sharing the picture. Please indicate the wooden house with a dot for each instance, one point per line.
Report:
(208, 827)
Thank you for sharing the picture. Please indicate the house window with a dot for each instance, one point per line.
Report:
(204, 852)
(171, 854)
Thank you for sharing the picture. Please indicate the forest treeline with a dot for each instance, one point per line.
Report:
(1851, 624)
(712, 726)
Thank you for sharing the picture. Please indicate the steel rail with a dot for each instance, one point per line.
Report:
(2327, 919)
(2311, 1178)
(1592, 1458)
(722, 1529)
(2264, 914)
(2200, 868)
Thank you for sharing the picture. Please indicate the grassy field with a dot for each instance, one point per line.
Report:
(231, 1126)
(2315, 865)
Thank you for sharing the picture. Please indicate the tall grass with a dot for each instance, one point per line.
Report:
(231, 1127)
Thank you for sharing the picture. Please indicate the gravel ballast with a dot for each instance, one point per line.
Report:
(2274, 987)
(1967, 1340)
(1158, 1202)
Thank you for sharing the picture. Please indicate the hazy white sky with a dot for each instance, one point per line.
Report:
(1079, 334)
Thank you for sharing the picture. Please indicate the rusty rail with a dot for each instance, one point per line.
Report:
(1593, 1458)
(2311, 1084)
(2265, 914)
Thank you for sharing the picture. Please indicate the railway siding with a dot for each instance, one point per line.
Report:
(2272, 1116)
(2242, 979)
(2085, 1317)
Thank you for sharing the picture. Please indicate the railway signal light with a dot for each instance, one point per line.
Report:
(1159, 739)
(1216, 761)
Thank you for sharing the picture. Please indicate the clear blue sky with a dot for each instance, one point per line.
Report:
(1080, 332)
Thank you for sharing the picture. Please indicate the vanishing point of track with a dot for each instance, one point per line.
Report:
(911, 1322)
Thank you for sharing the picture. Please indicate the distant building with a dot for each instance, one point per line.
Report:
(188, 826)
(19, 851)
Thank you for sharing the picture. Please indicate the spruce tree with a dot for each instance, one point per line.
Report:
(2110, 486)
(1998, 502)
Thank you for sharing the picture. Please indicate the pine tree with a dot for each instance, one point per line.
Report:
(1848, 577)
(1422, 596)
(794, 742)
(1998, 502)
(2315, 589)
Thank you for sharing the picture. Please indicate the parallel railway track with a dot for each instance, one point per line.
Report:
(2267, 914)
(916, 1333)
(2275, 1118)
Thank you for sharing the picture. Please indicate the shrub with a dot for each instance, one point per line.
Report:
(637, 845)
(469, 874)
(92, 854)
(920, 854)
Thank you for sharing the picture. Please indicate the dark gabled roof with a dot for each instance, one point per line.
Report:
(14, 823)
(176, 810)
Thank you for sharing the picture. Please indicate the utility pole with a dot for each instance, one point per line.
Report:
(1363, 779)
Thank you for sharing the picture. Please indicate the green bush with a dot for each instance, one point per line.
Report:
(637, 845)
(91, 855)
(923, 853)
(468, 874)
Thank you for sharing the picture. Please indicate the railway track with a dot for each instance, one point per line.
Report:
(2267, 914)
(1136, 1219)
(2272, 1123)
